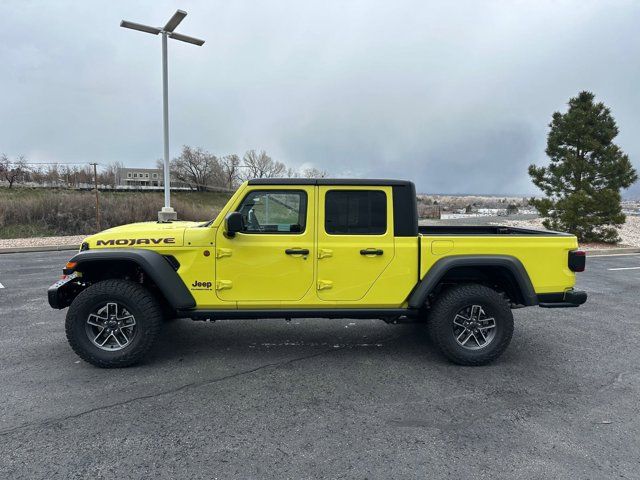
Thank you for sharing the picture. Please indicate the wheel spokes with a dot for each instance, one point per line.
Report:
(126, 339)
(112, 310)
(96, 321)
(115, 337)
(487, 326)
(459, 320)
(476, 312)
(468, 334)
(127, 321)
(471, 322)
(111, 327)
(484, 337)
(105, 338)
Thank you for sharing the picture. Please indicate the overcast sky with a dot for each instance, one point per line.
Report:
(456, 96)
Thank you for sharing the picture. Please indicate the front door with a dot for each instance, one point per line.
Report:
(272, 259)
(355, 240)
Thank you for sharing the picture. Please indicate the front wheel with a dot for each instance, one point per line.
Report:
(471, 324)
(113, 323)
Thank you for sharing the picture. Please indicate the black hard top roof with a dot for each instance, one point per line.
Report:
(329, 181)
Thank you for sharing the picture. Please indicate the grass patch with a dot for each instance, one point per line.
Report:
(28, 212)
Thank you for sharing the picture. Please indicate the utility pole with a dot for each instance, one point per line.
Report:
(167, 213)
(95, 181)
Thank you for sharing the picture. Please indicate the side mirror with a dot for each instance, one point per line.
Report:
(234, 223)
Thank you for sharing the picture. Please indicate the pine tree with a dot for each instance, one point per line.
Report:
(587, 170)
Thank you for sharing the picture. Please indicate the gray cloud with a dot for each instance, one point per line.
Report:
(454, 95)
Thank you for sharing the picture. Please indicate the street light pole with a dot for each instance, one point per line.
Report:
(167, 213)
(166, 210)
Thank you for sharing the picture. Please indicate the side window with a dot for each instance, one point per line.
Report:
(274, 211)
(355, 212)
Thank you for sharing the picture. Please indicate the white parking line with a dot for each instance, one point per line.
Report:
(591, 257)
(625, 268)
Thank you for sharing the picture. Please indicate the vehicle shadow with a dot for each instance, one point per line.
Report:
(185, 339)
(340, 350)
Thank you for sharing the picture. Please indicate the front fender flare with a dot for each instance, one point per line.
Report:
(154, 265)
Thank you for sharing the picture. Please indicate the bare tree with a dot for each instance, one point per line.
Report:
(305, 173)
(110, 173)
(313, 173)
(37, 175)
(230, 165)
(197, 168)
(12, 171)
(84, 175)
(52, 175)
(69, 175)
(25, 169)
(160, 166)
(261, 165)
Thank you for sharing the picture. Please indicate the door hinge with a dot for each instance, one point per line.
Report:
(223, 252)
(325, 284)
(224, 284)
(324, 253)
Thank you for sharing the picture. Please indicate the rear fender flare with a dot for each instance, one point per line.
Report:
(439, 269)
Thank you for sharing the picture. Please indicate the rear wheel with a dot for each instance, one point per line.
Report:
(113, 323)
(471, 324)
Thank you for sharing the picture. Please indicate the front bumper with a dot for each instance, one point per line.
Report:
(63, 291)
(570, 298)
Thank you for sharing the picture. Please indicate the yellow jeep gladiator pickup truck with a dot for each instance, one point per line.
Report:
(284, 248)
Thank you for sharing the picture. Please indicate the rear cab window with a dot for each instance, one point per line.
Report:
(355, 212)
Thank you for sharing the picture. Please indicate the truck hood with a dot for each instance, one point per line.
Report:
(145, 234)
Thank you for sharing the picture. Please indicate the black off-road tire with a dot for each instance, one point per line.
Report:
(138, 301)
(452, 301)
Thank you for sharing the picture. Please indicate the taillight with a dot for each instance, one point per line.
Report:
(577, 260)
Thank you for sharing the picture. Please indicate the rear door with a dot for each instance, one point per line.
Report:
(355, 240)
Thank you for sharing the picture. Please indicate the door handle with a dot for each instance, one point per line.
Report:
(224, 284)
(371, 251)
(297, 251)
(324, 284)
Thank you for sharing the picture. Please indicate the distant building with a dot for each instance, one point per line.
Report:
(140, 177)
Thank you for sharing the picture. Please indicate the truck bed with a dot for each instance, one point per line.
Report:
(543, 253)
(466, 230)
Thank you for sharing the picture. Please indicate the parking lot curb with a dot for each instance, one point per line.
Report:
(43, 248)
(612, 251)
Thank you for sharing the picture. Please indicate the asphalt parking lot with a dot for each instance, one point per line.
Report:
(324, 398)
